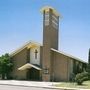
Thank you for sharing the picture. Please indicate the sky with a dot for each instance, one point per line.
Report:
(22, 21)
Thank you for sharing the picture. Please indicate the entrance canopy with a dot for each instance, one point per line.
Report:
(28, 66)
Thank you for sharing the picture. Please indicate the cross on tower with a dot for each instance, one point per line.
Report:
(36, 52)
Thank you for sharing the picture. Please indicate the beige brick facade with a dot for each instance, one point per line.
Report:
(19, 60)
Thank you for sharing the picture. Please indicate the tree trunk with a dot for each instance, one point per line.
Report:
(3, 76)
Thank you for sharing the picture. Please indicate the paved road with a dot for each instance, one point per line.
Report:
(6, 87)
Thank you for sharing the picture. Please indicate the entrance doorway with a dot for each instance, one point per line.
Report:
(33, 74)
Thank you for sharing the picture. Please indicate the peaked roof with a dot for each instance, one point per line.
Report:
(26, 45)
(29, 65)
(68, 55)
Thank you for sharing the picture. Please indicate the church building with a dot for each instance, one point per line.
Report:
(34, 61)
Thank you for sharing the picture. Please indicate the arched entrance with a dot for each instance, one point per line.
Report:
(33, 74)
(33, 71)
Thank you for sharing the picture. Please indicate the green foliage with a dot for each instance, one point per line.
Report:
(88, 66)
(5, 66)
(89, 57)
(72, 77)
(81, 77)
(88, 70)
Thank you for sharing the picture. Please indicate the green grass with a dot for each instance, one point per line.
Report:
(85, 85)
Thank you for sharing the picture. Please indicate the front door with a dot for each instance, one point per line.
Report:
(33, 74)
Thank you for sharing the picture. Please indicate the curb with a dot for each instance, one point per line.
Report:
(60, 88)
(33, 86)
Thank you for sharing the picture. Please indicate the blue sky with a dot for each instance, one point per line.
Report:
(21, 21)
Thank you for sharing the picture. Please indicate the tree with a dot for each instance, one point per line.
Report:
(88, 66)
(5, 66)
(89, 56)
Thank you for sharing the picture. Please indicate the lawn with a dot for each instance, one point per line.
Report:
(85, 85)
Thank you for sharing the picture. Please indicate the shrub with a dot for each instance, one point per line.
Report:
(88, 70)
(72, 77)
(81, 77)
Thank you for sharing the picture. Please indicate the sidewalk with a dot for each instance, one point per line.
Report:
(35, 84)
(26, 83)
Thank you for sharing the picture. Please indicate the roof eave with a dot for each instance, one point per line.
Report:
(68, 55)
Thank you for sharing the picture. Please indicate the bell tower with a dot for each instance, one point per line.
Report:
(50, 27)
(50, 38)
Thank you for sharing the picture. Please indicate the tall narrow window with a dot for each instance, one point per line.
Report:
(36, 52)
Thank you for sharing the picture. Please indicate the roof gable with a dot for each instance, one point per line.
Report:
(26, 45)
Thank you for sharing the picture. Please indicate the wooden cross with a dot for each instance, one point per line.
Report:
(36, 52)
